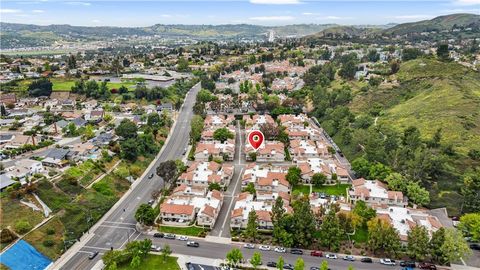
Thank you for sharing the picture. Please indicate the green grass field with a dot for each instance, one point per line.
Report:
(191, 231)
(154, 262)
(338, 190)
(13, 211)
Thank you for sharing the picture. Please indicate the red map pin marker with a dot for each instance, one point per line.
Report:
(255, 138)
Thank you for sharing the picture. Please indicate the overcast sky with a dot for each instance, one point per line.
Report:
(263, 12)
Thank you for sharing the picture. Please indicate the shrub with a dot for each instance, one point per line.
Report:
(22, 226)
(50, 231)
(48, 243)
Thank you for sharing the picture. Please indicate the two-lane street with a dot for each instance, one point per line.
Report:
(119, 225)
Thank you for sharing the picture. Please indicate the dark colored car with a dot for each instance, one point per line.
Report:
(366, 260)
(296, 251)
(316, 253)
(158, 235)
(409, 264)
(193, 244)
(92, 255)
(475, 246)
(425, 265)
(272, 264)
(150, 176)
(169, 236)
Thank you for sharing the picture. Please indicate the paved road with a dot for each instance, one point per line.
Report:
(119, 226)
(219, 251)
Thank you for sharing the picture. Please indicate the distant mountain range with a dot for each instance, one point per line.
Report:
(27, 35)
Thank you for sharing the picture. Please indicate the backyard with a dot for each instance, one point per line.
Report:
(337, 190)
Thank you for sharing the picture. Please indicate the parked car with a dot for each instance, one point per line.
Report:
(272, 264)
(330, 256)
(155, 248)
(92, 255)
(410, 264)
(366, 260)
(349, 258)
(280, 250)
(183, 238)
(316, 253)
(158, 235)
(425, 265)
(184, 151)
(249, 246)
(288, 266)
(387, 261)
(169, 236)
(264, 248)
(296, 251)
(150, 176)
(193, 244)
(150, 202)
(475, 246)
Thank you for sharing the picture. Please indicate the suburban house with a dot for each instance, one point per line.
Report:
(18, 141)
(266, 178)
(218, 121)
(403, 219)
(5, 181)
(304, 149)
(187, 205)
(327, 167)
(271, 151)
(24, 168)
(208, 150)
(201, 174)
(256, 121)
(291, 121)
(375, 192)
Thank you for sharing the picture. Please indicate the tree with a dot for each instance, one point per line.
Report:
(299, 264)
(381, 235)
(40, 87)
(222, 134)
(280, 263)
(135, 262)
(418, 194)
(331, 232)
(250, 188)
(196, 128)
(418, 243)
(361, 166)
(471, 191)
(166, 251)
(129, 149)
(470, 226)
(234, 256)
(252, 224)
(153, 119)
(256, 260)
(396, 182)
(373, 56)
(435, 244)
(442, 52)
(324, 265)
(271, 131)
(182, 64)
(411, 53)
(454, 246)
(293, 175)
(302, 223)
(145, 214)
(365, 212)
(318, 179)
(348, 70)
(167, 170)
(89, 132)
(126, 129)
(394, 66)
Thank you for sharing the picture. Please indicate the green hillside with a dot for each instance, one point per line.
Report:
(446, 22)
(446, 96)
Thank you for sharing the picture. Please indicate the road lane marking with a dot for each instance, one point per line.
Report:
(96, 247)
(230, 205)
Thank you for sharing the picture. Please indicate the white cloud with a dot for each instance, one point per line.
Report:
(331, 17)
(276, 2)
(466, 2)
(96, 21)
(271, 18)
(9, 11)
(86, 4)
(38, 11)
(411, 17)
(166, 15)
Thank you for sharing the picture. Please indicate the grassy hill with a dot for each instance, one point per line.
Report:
(444, 95)
(446, 22)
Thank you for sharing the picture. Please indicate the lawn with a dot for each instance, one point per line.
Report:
(12, 211)
(192, 231)
(154, 262)
(361, 235)
(48, 238)
(338, 190)
(63, 84)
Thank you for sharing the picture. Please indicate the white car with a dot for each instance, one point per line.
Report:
(264, 248)
(183, 238)
(280, 250)
(387, 261)
(330, 256)
(249, 246)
